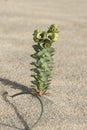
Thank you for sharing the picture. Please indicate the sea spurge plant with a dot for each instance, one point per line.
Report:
(43, 58)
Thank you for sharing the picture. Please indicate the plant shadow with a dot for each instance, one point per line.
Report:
(18, 115)
(25, 90)
(3, 124)
(15, 85)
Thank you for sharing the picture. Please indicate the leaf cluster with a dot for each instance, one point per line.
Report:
(43, 68)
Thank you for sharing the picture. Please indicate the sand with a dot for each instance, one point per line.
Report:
(65, 108)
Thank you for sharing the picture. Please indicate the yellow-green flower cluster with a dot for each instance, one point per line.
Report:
(44, 38)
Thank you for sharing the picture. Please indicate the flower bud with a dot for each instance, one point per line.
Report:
(36, 35)
(52, 37)
(53, 28)
(55, 37)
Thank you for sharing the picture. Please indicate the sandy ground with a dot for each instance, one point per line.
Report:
(66, 106)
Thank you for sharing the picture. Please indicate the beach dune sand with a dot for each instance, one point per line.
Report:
(65, 108)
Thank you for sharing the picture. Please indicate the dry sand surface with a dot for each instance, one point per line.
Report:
(66, 106)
